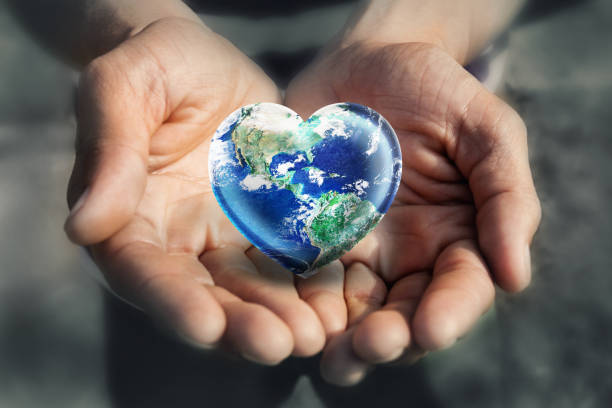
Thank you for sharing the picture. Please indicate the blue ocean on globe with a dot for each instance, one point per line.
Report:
(305, 192)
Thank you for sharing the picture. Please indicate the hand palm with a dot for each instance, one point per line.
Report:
(426, 245)
(147, 111)
(175, 254)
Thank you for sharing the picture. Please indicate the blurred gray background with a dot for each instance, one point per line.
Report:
(548, 346)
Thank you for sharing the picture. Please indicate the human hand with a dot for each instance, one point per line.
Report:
(146, 113)
(466, 204)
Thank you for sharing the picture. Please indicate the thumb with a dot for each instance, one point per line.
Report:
(112, 148)
(491, 150)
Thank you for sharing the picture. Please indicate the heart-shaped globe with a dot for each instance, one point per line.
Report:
(305, 192)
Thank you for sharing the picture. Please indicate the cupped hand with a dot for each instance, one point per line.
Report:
(464, 215)
(142, 201)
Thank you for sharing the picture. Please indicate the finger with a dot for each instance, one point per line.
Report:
(324, 292)
(169, 288)
(364, 292)
(460, 292)
(307, 329)
(253, 330)
(491, 151)
(258, 279)
(339, 364)
(384, 335)
(506, 225)
(412, 236)
(114, 128)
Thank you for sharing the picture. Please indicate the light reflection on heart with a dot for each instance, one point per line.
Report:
(305, 192)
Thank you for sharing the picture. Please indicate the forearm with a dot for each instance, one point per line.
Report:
(462, 28)
(80, 30)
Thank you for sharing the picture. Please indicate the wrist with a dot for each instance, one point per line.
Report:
(111, 22)
(392, 21)
(462, 29)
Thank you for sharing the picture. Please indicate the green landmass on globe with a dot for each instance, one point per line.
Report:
(305, 192)
(336, 221)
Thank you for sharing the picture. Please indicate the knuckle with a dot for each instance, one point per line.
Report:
(505, 125)
(368, 299)
(96, 76)
(95, 70)
(517, 122)
(486, 115)
(536, 209)
(97, 83)
(514, 123)
(123, 80)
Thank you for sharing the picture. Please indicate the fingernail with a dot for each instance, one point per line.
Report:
(79, 202)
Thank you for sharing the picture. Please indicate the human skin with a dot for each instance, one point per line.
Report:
(156, 83)
(139, 193)
(466, 209)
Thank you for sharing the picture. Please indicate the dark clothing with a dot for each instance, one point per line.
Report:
(261, 8)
